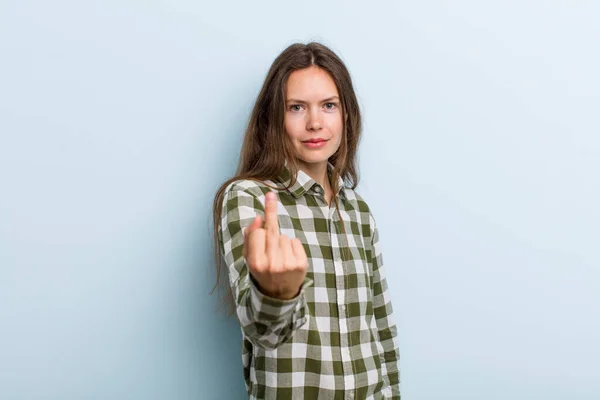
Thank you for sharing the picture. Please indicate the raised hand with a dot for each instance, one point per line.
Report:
(277, 263)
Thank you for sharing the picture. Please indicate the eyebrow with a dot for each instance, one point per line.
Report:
(304, 102)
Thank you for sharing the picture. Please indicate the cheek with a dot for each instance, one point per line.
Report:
(293, 126)
(335, 123)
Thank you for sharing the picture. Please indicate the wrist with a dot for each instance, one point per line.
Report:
(276, 294)
(279, 294)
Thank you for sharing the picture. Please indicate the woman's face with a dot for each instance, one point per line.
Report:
(313, 112)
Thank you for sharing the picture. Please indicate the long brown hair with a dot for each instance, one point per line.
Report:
(266, 147)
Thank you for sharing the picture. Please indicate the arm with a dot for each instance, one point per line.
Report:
(384, 315)
(266, 322)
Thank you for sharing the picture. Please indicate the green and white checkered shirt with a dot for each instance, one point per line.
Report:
(337, 338)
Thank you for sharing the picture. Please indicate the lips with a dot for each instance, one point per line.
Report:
(315, 140)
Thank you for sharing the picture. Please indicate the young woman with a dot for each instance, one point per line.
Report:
(308, 287)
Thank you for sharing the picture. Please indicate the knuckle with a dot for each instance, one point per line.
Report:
(252, 260)
(276, 268)
(255, 260)
(260, 266)
(300, 267)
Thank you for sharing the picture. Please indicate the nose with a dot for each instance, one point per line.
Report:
(314, 121)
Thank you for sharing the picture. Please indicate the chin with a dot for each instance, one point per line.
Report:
(314, 160)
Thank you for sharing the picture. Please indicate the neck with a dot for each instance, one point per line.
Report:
(317, 172)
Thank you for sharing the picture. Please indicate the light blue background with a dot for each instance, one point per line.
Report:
(480, 159)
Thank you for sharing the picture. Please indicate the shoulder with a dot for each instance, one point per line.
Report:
(242, 200)
(250, 187)
(357, 200)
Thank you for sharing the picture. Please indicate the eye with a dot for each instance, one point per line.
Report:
(330, 106)
(295, 107)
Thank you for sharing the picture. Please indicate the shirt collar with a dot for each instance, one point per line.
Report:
(305, 183)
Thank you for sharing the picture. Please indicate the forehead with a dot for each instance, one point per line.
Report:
(311, 83)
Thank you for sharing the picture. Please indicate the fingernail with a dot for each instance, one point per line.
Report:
(270, 195)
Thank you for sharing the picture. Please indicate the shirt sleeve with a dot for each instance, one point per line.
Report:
(266, 322)
(384, 315)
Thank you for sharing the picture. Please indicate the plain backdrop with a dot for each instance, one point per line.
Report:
(480, 159)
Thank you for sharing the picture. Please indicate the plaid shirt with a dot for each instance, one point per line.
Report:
(337, 338)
